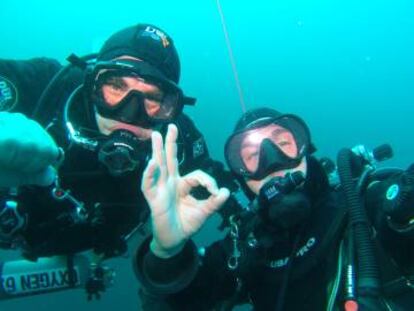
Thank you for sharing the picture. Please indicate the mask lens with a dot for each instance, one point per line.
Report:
(114, 87)
(275, 136)
(118, 90)
(274, 145)
(164, 108)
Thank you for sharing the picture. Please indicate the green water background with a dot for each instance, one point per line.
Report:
(345, 66)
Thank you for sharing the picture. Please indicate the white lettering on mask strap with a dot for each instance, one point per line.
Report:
(279, 263)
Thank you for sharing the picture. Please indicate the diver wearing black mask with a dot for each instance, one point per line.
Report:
(289, 248)
(269, 156)
(101, 110)
(130, 98)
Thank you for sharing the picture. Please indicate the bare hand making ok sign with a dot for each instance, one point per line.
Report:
(176, 214)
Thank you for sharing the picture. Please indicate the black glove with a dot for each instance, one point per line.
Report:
(399, 204)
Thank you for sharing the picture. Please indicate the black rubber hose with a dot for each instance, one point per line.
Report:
(368, 278)
(46, 101)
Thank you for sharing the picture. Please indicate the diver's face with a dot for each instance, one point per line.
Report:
(250, 152)
(285, 141)
(119, 87)
(276, 134)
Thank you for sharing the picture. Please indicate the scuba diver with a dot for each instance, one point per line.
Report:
(304, 242)
(75, 139)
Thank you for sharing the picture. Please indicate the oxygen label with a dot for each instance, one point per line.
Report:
(39, 281)
(8, 94)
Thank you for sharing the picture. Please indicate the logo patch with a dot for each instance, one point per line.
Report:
(8, 94)
(198, 148)
(279, 263)
(392, 192)
(156, 34)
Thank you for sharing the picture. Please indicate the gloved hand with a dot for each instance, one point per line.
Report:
(27, 152)
(400, 199)
(175, 214)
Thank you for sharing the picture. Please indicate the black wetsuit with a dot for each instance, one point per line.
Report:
(305, 262)
(114, 205)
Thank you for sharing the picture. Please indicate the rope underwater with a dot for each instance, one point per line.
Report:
(231, 56)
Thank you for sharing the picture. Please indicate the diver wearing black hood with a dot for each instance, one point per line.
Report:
(293, 246)
(101, 110)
